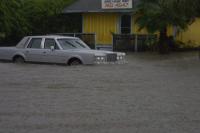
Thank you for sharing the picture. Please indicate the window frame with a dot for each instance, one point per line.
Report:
(120, 26)
(56, 47)
(31, 45)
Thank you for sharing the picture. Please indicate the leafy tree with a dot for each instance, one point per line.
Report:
(11, 18)
(158, 15)
(28, 17)
(46, 16)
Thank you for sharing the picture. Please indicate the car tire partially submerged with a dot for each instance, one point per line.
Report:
(18, 60)
(74, 62)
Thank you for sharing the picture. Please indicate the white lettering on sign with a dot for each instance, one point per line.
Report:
(116, 4)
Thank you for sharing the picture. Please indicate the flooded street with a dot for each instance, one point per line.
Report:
(150, 94)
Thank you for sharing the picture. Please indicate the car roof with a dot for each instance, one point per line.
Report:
(53, 36)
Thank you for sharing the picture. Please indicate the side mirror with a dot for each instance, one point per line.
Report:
(52, 48)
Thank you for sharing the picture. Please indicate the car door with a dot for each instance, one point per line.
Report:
(53, 55)
(34, 51)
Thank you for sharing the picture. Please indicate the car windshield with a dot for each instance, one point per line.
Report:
(72, 44)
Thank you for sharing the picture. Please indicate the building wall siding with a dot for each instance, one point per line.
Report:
(192, 35)
(135, 27)
(102, 24)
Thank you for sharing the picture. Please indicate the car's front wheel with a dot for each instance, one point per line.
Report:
(74, 62)
(19, 60)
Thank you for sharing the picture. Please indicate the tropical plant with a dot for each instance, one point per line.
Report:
(158, 15)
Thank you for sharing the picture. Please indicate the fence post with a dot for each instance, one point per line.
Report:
(95, 41)
(112, 42)
(136, 43)
(199, 52)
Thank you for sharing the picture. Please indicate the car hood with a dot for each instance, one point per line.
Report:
(98, 52)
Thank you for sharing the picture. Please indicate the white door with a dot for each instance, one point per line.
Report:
(34, 51)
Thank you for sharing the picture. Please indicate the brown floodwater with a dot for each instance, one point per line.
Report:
(150, 94)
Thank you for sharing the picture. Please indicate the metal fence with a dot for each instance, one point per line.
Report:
(121, 42)
(88, 38)
(132, 42)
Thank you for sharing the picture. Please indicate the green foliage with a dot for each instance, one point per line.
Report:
(157, 15)
(10, 17)
(46, 17)
(27, 17)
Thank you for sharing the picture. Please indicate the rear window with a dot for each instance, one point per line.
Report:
(50, 42)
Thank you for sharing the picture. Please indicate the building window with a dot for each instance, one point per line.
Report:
(125, 24)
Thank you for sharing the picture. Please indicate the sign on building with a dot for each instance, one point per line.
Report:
(117, 4)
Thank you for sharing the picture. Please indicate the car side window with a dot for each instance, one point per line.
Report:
(50, 42)
(35, 43)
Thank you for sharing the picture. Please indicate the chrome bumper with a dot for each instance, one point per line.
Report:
(110, 59)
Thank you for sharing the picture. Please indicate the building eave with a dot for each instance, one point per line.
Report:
(98, 11)
(83, 6)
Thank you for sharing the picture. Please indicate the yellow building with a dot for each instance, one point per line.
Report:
(105, 17)
(191, 36)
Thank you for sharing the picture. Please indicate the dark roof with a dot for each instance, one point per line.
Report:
(81, 6)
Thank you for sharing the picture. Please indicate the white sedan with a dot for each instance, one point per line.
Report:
(58, 49)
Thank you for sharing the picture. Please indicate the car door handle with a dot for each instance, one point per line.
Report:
(44, 52)
(27, 51)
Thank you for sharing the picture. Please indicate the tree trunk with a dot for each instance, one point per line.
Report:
(163, 42)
